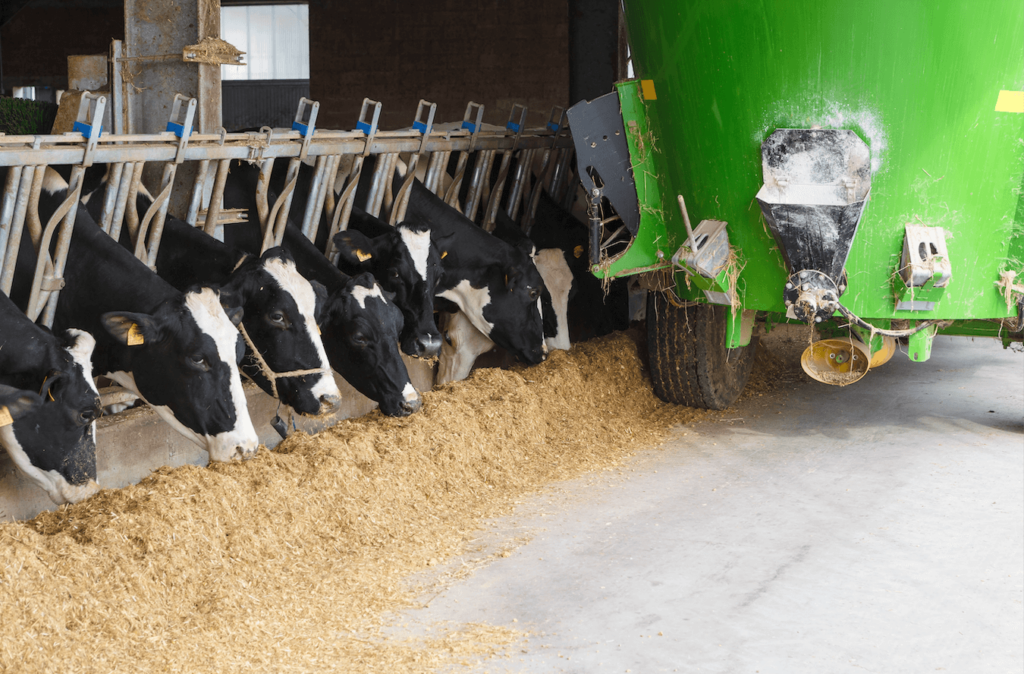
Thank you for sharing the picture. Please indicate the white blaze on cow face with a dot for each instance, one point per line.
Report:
(461, 346)
(210, 317)
(53, 483)
(418, 244)
(410, 393)
(360, 293)
(298, 287)
(472, 302)
(558, 280)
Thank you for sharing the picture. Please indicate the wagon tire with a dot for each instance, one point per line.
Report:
(689, 362)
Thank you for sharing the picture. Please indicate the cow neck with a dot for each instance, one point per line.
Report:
(268, 372)
(310, 262)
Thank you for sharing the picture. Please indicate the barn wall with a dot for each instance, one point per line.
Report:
(446, 51)
(39, 38)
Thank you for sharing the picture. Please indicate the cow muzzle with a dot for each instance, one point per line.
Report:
(329, 402)
(429, 346)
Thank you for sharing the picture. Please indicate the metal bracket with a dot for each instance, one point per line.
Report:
(556, 126)
(89, 122)
(305, 128)
(474, 126)
(924, 271)
(369, 128)
(516, 127)
(421, 126)
(182, 129)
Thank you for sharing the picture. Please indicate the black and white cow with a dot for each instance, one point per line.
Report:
(360, 323)
(177, 351)
(496, 285)
(401, 258)
(53, 443)
(279, 307)
(405, 262)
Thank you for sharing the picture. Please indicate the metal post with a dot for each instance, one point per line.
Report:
(121, 190)
(133, 204)
(313, 202)
(195, 202)
(60, 256)
(217, 197)
(262, 190)
(17, 225)
(481, 170)
(110, 196)
(7, 210)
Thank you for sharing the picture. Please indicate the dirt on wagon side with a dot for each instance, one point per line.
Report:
(292, 561)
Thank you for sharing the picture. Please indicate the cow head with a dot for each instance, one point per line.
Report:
(361, 325)
(280, 317)
(460, 348)
(407, 264)
(184, 359)
(52, 439)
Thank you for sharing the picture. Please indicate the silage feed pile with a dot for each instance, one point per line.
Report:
(294, 560)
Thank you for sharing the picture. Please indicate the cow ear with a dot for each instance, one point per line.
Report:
(232, 302)
(15, 403)
(131, 328)
(355, 249)
(320, 291)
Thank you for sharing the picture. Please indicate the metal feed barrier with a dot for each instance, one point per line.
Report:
(549, 147)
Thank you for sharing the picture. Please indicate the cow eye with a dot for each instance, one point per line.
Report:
(276, 317)
(88, 416)
(534, 293)
(447, 338)
(200, 361)
(359, 339)
(393, 273)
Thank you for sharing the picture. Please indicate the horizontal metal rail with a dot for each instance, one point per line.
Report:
(339, 158)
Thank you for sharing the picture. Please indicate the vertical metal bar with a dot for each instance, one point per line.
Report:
(7, 210)
(481, 169)
(326, 186)
(217, 197)
(520, 176)
(560, 179)
(262, 189)
(315, 190)
(284, 202)
(110, 196)
(132, 212)
(390, 160)
(17, 225)
(332, 175)
(438, 163)
(343, 212)
(121, 190)
(377, 181)
(157, 228)
(60, 256)
(499, 186)
(547, 167)
(451, 195)
(195, 202)
(117, 92)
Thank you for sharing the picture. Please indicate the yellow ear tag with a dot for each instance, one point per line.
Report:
(5, 417)
(444, 255)
(363, 257)
(135, 336)
(318, 330)
(578, 251)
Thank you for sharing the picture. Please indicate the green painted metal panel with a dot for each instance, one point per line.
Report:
(917, 80)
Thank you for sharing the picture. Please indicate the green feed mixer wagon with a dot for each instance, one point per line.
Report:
(856, 167)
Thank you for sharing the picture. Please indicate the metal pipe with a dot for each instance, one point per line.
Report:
(132, 213)
(17, 225)
(262, 190)
(161, 204)
(389, 169)
(122, 191)
(522, 171)
(195, 202)
(36, 300)
(60, 256)
(481, 168)
(325, 187)
(343, 212)
(332, 175)
(499, 186)
(217, 197)
(7, 210)
(284, 203)
(110, 196)
(315, 189)
(451, 195)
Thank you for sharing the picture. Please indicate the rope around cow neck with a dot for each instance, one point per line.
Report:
(269, 373)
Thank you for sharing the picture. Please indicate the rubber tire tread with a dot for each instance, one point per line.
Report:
(689, 362)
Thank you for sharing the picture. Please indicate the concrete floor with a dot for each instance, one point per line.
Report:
(875, 528)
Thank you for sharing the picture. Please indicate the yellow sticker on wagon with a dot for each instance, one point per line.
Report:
(1010, 101)
(648, 88)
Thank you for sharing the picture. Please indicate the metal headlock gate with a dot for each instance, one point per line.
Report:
(549, 147)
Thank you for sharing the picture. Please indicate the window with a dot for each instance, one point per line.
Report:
(275, 39)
